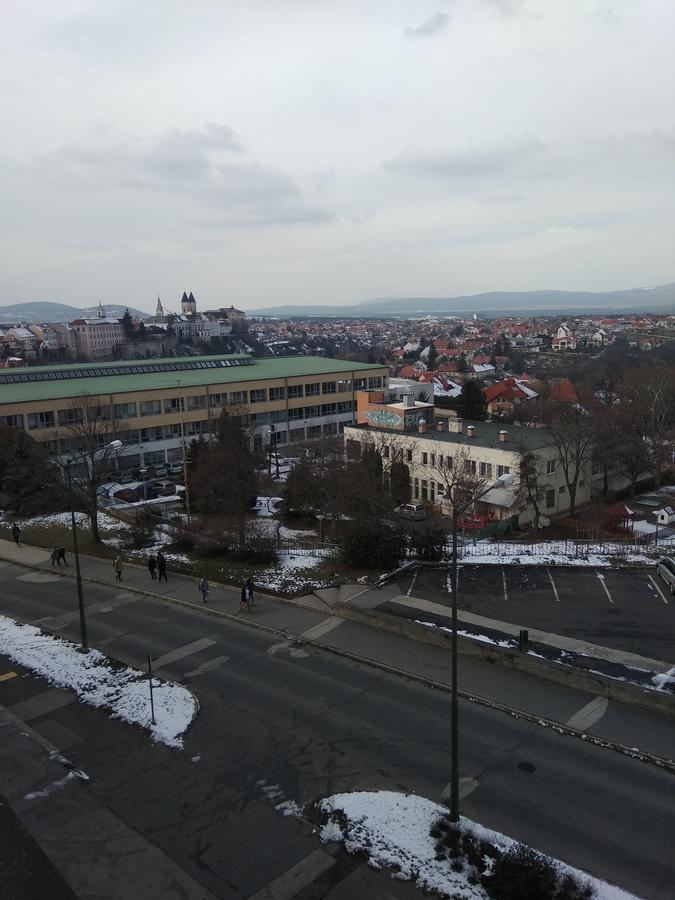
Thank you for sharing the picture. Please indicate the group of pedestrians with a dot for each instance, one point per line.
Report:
(247, 593)
(157, 566)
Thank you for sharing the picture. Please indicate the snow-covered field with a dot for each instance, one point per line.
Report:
(292, 574)
(123, 691)
(549, 553)
(394, 830)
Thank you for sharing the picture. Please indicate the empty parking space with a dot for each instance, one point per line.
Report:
(621, 609)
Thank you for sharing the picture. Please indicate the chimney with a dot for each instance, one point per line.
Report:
(455, 425)
(408, 400)
(503, 435)
(440, 425)
(422, 426)
(470, 430)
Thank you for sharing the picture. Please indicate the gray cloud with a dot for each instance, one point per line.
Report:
(467, 162)
(207, 168)
(437, 21)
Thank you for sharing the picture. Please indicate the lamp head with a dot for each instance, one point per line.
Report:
(505, 480)
(114, 445)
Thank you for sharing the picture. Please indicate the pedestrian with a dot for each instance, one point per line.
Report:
(117, 567)
(243, 602)
(250, 596)
(152, 565)
(204, 587)
(16, 533)
(55, 556)
(161, 566)
(62, 555)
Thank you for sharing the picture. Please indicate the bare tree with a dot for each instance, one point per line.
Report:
(569, 425)
(88, 425)
(532, 484)
(654, 398)
(461, 476)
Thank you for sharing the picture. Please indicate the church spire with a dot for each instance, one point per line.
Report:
(100, 312)
(159, 311)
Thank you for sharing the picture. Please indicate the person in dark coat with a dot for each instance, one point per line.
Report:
(152, 565)
(204, 587)
(161, 566)
(16, 533)
(62, 555)
(55, 556)
(243, 602)
(250, 596)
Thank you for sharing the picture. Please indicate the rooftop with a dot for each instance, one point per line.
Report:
(486, 434)
(63, 382)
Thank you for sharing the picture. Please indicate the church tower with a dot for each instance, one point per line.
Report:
(159, 311)
(188, 305)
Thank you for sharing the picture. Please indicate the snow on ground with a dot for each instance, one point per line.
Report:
(124, 691)
(267, 506)
(547, 553)
(393, 829)
(106, 524)
(293, 573)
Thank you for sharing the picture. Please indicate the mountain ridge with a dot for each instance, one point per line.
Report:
(53, 311)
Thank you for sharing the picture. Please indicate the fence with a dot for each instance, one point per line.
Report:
(571, 549)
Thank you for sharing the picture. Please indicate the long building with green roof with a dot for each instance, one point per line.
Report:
(154, 406)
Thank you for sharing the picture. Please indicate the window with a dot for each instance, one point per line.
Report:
(261, 418)
(239, 397)
(40, 420)
(217, 400)
(408, 455)
(330, 428)
(433, 459)
(70, 416)
(174, 405)
(150, 407)
(12, 421)
(416, 488)
(313, 431)
(360, 384)
(470, 466)
(328, 387)
(550, 467)
(125, 410)
(485, 469)
(278, 415)
(375, 383)
(550, 498)
(344, 386)
(296, 435)
(425, 459)
(198, 402)
(312, 411)
(503, 470)
(277, 393)
(424, 489)
(312, 390)
(294, 391)
(297, 413)
(561, 489)
(329, 409)
(259, 395)
(345, 406)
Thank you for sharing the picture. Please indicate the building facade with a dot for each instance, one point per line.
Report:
(97, 338)
(485, 450)
(154, 406)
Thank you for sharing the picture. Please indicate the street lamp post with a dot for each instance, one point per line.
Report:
(502, 481)
(113, 445)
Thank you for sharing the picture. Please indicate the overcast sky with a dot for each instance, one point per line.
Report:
(330, 151)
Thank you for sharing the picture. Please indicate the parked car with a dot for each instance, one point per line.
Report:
(127, 495)
(146, 472)
(176, 469)
(161, 471)
(125, 478)
(164, 488)
(665, 568)
(414, 511)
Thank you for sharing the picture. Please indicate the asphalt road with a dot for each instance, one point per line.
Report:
(279, 722)
(627, 610)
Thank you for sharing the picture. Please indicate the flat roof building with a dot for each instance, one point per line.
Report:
(151, 404)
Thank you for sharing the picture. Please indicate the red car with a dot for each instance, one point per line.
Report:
(127, 495)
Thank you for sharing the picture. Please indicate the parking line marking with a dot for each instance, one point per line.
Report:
(506, 596)
(555, 589)
(601, 579)
(181, 652)
(7, 676)
(322, 628)
(412, 583)
(658, 589)
(589, 714)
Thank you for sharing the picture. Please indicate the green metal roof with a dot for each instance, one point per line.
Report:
(283, 367)
(486, 434)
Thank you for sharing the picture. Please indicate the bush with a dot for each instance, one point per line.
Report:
(521, 874)
(430, 543)
(368, 546)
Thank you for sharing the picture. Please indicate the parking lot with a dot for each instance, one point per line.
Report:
(628, 610)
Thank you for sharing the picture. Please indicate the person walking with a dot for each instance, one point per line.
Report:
(16, 533)
(117, 567)
(161, 566)
(152, 565)
(204, 587)
(243, 602)
(250, 596)
(62, 555)
(55, 556)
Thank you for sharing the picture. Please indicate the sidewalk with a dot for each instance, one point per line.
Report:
(368, 635)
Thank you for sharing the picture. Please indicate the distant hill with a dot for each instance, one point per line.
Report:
(648, 300)
(48, 311)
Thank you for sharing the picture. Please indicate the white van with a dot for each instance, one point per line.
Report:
(414, 511)
(666, 569)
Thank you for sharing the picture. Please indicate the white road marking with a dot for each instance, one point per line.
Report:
(555, 589)
(322, 628)
(297, 878)
(588, 715)
(412, 583)
(467, 785)
(658, 589)
(506, 596)
(181, 652)
(207, 666)
(119, 600)
(601, 579)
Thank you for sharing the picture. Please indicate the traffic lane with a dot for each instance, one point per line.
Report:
(297, 728)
